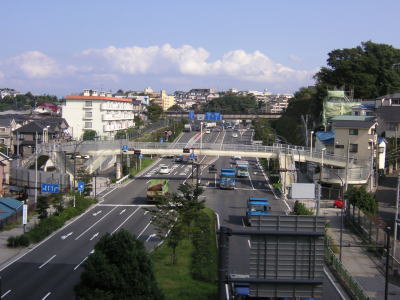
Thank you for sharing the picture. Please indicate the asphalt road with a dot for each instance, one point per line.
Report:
(52, 268)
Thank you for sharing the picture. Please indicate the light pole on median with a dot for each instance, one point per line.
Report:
(311, 140)
(322, 164)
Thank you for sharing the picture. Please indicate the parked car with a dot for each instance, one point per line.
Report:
(338, 203)
(164, 169)
(208, 130)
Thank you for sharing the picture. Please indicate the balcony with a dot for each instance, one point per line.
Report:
(116, 117)
(116, 106)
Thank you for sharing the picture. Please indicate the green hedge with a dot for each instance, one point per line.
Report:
(48, 225)
(204, 262)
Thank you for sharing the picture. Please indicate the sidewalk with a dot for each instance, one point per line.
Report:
(357, 261)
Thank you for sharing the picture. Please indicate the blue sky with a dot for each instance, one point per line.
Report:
(61, 47)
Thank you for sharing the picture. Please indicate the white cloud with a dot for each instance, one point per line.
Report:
(295, 58)
(34, 64)
(188, 60)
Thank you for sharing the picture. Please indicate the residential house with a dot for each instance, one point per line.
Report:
(47, 109)
(4, 173)
(388, 115)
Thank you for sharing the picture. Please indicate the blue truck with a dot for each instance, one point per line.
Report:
(227, 179)
(257, 207)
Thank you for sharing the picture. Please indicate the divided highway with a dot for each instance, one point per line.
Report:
(52, 268)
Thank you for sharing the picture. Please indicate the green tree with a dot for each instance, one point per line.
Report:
(138, 121)
(362, 199)
(175, 107)
(120, 268)
(86, 177)
(369, 69)
(231, 104)
(174, 212)
(42, 206)
(120, 135)
(89, 135)
(300, 209)
(154, 112)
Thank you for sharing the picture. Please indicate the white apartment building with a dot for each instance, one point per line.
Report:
(97, 111)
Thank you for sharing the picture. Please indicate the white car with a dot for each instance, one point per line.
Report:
(235, 135)
(164, 169)
(208, 131)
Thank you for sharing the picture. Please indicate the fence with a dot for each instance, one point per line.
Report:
(345, 278)
(373, 233)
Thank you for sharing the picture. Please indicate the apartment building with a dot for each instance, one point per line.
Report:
(277, 104)
(97, 111)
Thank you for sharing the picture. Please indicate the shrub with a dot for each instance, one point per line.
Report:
(301, 210)
(202, 258)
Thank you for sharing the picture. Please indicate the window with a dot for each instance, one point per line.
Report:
(339, 146)
(395, 101)
(88, 124)
(2, 129)
(88, 114)
(353, 131)
(88, 103)
(353, 148)
(356, 113)
(2, 141)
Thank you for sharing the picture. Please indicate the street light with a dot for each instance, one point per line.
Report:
(311, 135)
(322, 164)
(44, 139)
(36, 166)
(372, 163)
(201, 136)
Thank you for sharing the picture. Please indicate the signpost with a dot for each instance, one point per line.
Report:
(191, 116)
(50, 188)
(24, 215)
(81, 186)
(125, 148)
(161, 140)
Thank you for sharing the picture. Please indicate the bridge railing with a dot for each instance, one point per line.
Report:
(302, 152)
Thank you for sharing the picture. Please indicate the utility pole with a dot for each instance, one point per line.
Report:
(396, 220)
(318, 198)
(36, 167)
(387, 262)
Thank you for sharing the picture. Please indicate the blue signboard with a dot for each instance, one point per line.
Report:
(81, 186)
(191, 115)
(125, 147)
(161, 140)
(208, 116)
(50, 188)
(192, 155)
(141, 156)
(217, 116)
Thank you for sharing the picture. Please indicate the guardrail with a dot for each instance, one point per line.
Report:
(126, 177)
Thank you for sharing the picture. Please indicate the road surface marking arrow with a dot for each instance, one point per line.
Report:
(122, 211)
(67, 235)
(96, 213)
(94, 235)
(150, 236)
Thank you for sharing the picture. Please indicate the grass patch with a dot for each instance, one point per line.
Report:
(176, 280)
(145, 163)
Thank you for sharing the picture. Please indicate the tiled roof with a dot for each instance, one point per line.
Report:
(353, 124)
(389, 113)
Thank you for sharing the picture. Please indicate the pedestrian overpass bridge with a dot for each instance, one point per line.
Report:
(333, 167)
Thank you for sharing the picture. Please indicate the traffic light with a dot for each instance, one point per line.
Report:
(186, 150)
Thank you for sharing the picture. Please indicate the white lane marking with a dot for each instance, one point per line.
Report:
(67, 235)
(122, 211)
(5, 294)
(143, 230)
(91, 252)
(248, 241)
(95, 223)
(77, 266)
(96, 213)
(244, 225)
(119, 226)
(218, 224)
(334, 285)
(94, 236)
(47, 261)
(227, 292)
(148, 181)
(145, 212)
(110, 191)
(251, 181)
(48, 294)
(150, 236)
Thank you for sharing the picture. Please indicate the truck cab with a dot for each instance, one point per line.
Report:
(242, 168)
(257, 207)
(227, 179)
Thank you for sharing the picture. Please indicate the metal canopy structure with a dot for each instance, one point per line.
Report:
(290, 262)
(286, 256)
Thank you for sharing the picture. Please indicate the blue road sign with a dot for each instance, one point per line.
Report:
(217, 116)
(192, 155)
(81, 186)
(161, 140)
(50, 188)
(208, 116)
(141, 156)
(125, 147)
(191, 115)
